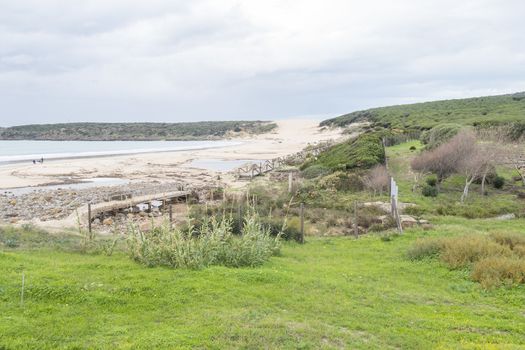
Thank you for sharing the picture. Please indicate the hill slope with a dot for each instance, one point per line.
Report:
(426, 115)
(133, 131)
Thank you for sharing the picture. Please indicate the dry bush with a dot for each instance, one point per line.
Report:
(511, 240)
(377, 179)
(496, 259)
(459, 252)
(368, 215)
(445, 159)
(495, 271)
(519, 251)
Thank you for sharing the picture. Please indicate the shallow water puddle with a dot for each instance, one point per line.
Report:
(86, 183)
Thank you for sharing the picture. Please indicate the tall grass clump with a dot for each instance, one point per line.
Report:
(460, 252)
(212, 243)
(495, 271)
(494, 260)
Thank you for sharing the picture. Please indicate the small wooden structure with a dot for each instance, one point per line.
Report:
(90, 211)
(249, 171)
(252, 170)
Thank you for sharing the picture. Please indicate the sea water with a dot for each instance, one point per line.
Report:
(27, 151)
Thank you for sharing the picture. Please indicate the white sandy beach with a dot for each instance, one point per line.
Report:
(291, 136)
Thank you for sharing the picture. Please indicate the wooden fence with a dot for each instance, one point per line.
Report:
(256, 169)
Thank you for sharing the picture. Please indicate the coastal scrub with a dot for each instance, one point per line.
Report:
(213, 243)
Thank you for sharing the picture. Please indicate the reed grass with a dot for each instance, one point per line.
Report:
(211, 243)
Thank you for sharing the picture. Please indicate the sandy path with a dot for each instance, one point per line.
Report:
(290, 137)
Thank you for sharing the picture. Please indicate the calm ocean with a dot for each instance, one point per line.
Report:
(21, 151)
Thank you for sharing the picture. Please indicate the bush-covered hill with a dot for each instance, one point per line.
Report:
(422, 116)
(365, 151)
(134, 131)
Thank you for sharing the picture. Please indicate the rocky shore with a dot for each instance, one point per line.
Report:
(46, 205)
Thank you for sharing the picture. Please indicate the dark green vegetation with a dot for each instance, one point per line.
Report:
(439, 134)
(423, 116)
(329, 293)
(134, 131)
(361, 152)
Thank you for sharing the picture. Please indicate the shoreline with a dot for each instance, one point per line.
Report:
(124, 153)
(290, 137)
(157, 171)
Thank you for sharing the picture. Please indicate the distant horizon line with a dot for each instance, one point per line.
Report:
(316, 116)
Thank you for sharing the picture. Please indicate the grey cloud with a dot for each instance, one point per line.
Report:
(204, 59)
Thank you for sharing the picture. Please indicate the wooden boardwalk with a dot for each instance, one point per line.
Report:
(252, 170)
(88, 212)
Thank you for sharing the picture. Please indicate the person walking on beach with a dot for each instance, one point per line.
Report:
(42, 160)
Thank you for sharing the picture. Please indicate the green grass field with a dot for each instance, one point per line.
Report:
(331, 293)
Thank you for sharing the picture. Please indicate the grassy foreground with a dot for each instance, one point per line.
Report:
(329, 293)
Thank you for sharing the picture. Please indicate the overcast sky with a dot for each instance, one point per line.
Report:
(171, 60)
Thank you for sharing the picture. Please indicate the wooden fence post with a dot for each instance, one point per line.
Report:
(396, 215)
(239, 215)
(302, 223)
(89, 217)
(170, 213)
(290, 182)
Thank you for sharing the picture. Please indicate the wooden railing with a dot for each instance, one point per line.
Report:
(256, 169)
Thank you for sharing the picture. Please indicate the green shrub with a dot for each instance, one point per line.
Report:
(431, 181)
(289, 229)
(429, 191)
(414, 210)
(364, 151)
(211, 244)
(315, 171)
(341, 181)
(495, 271)
(498, 182)
(413, 148)
(425, 248)
(439, 134)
